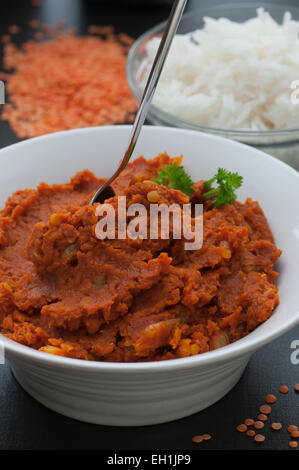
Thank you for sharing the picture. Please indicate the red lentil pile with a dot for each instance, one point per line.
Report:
(67, 82)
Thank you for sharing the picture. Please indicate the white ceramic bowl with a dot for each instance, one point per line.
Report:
(153, 392)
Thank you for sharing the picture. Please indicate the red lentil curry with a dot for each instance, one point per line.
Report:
(64, 292)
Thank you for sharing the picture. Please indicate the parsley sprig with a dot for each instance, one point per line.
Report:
(224, 193)
(174, 176)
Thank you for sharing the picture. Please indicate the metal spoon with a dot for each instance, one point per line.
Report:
(106, 191)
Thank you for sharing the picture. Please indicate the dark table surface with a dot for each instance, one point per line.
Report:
(25, 424)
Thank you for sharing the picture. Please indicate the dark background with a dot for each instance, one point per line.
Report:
(25, 424)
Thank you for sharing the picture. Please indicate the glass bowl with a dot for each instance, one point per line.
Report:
(283, 144)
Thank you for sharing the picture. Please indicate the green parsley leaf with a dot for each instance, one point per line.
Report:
(174, 177)
(224, 193)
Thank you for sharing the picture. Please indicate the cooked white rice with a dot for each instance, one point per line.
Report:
(232, 75)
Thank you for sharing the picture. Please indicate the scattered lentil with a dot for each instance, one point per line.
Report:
(265, 409)
(93, 29)
(125, 39)
(105, 30)
(39, 36)
(284, 389)
(276, 426)
(262, 417)
(34, 24)
(47, 30)
(295, 434)
(293, 444)
(242, 428)
(60, 25)
(250, 433)
(296, 388)
(197, 439)
(249, 422)
(72, 31)
(14, 29)
(5, 38)
(259, 425)
(101, 30)
(292, 428)
(270, 398)
(259, 438)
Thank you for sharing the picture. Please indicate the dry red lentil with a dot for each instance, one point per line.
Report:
(60, 25)
(296, 388)
(270, 398)
(262, 417)
(72, 31)
(39, 36)
(105, 30)
(34, 24)
(265, 409)
(292, 428)
(5, 38)
(250, 433)
(293, 444)
(47, 30)
(93, 29)
(101, 30)
(249, 422)
(242, 428)
(284, 389)
(14, 29)
(276, 426)
(125, 39)
(259, 438)
(68, 82)
(207, 437)
(259, 425)
(197, 439)
(295, 434)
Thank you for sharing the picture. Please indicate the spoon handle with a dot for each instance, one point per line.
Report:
(150, 87)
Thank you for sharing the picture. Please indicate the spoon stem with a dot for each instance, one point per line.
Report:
(150, 87)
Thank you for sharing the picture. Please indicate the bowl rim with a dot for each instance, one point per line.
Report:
(238, 349)
(176, 121)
